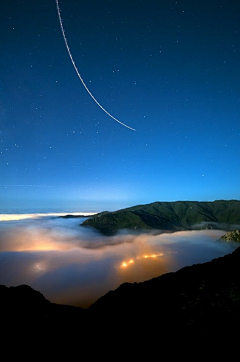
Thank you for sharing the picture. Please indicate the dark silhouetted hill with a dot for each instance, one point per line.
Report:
(199, 300)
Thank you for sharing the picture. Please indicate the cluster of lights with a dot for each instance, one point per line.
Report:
(126, 263)
(39, 267)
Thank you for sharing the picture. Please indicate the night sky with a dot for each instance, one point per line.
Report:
(169, 69)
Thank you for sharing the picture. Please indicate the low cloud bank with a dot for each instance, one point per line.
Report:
(75, 265)
(209, 225)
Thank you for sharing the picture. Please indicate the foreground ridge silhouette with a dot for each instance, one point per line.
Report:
(202, 299)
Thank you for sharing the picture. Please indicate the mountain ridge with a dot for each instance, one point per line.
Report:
(169, 216)
(202, 299)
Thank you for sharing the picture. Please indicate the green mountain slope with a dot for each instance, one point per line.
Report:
(232, 236)
(169, 216)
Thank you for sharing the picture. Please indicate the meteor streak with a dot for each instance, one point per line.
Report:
(79, 75)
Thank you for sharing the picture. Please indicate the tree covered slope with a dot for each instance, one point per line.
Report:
(169, 216)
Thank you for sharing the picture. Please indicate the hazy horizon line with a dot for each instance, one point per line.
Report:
(34, 215)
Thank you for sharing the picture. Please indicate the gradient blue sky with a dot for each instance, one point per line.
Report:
(170, 69)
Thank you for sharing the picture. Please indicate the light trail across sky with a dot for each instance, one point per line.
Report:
(79, 75)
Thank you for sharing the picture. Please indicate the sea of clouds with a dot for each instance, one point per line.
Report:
(72, 264)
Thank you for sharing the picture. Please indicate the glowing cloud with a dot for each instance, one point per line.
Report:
(125, 263)
(74, 265)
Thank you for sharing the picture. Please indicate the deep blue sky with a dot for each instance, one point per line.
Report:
(170, 69)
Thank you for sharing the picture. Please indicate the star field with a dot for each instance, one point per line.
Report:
(169, 69)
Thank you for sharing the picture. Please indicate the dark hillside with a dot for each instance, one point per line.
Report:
(199, 302)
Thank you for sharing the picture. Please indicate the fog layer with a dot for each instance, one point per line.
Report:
(71, 264)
